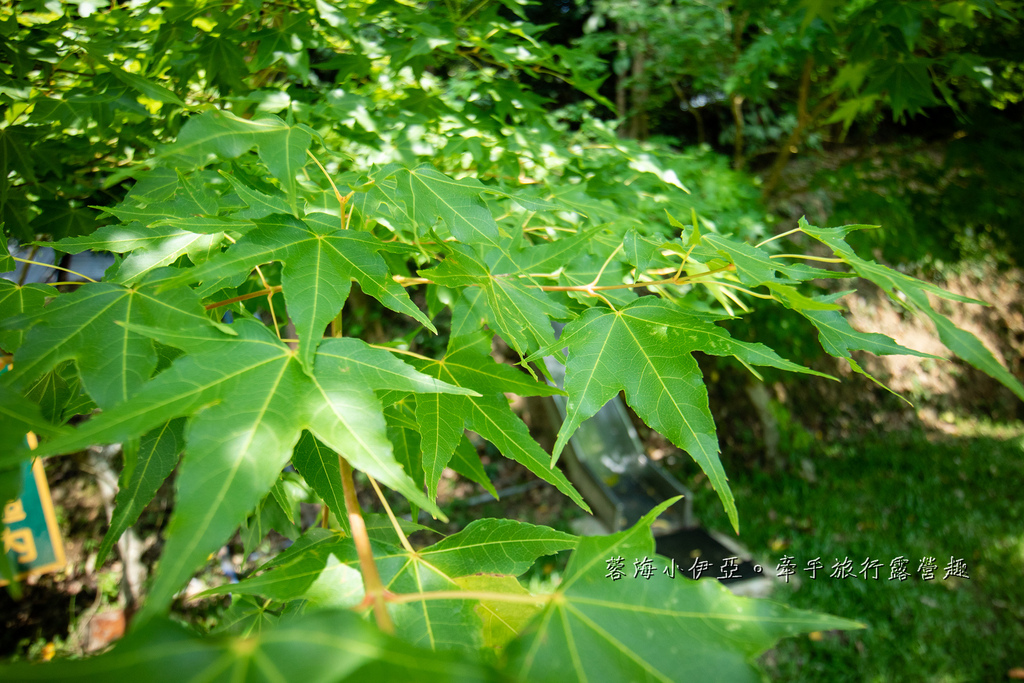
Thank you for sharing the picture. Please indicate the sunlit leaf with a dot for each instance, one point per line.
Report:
(88, 326)
(645, 350)
(249, 400)
(961, 342)
(321, 260)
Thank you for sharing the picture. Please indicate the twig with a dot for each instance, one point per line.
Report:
(242, 297)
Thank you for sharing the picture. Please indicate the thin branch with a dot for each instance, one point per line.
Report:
(24, 273)
(242, 297)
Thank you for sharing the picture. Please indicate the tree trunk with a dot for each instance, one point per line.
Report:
(738, 160)
(621, 107)
(803, 121)
(638, 118)
(684, 102)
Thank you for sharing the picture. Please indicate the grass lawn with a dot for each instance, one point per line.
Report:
(910, 495)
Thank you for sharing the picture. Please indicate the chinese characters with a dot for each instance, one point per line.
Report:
(873, 569)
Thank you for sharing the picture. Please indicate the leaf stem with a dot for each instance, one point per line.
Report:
(744, 290)
(411, 281)
(270, 301)
(400, 598)
(653, 283)
(779, 236)
(50, 265)
(823, 259)
(391, 515)
(545, 228)
(402, 351)
(604, 266)
(373, 586)
(590, 289)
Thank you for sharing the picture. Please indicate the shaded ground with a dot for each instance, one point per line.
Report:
(915, 495)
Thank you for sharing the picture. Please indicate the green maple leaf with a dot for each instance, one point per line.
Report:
(544, 257)
(152, 90)
(321, 260)
(323, 559)
(502, 620)
(54, 390)
(282, 148)
(404, 433)
(260, 205)
(146, 466)
(176, 217)
(657, 629)
(19, 416)
(167, 197)
(755, 266)
(839, 338)
(645, 350)
(154, 185)
(248, 400)
(961, 342)
(7, 262)
(63, 217)
(19, 302)
(247, 616)
(442, 421)
(908, 84)
(640, 250)
(514, 305)
(82, 326)
(153, 247)
(424, 195)
(752, 264)
(587, 269)
(330, 646)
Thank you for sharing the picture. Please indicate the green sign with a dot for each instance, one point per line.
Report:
(30, 534)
